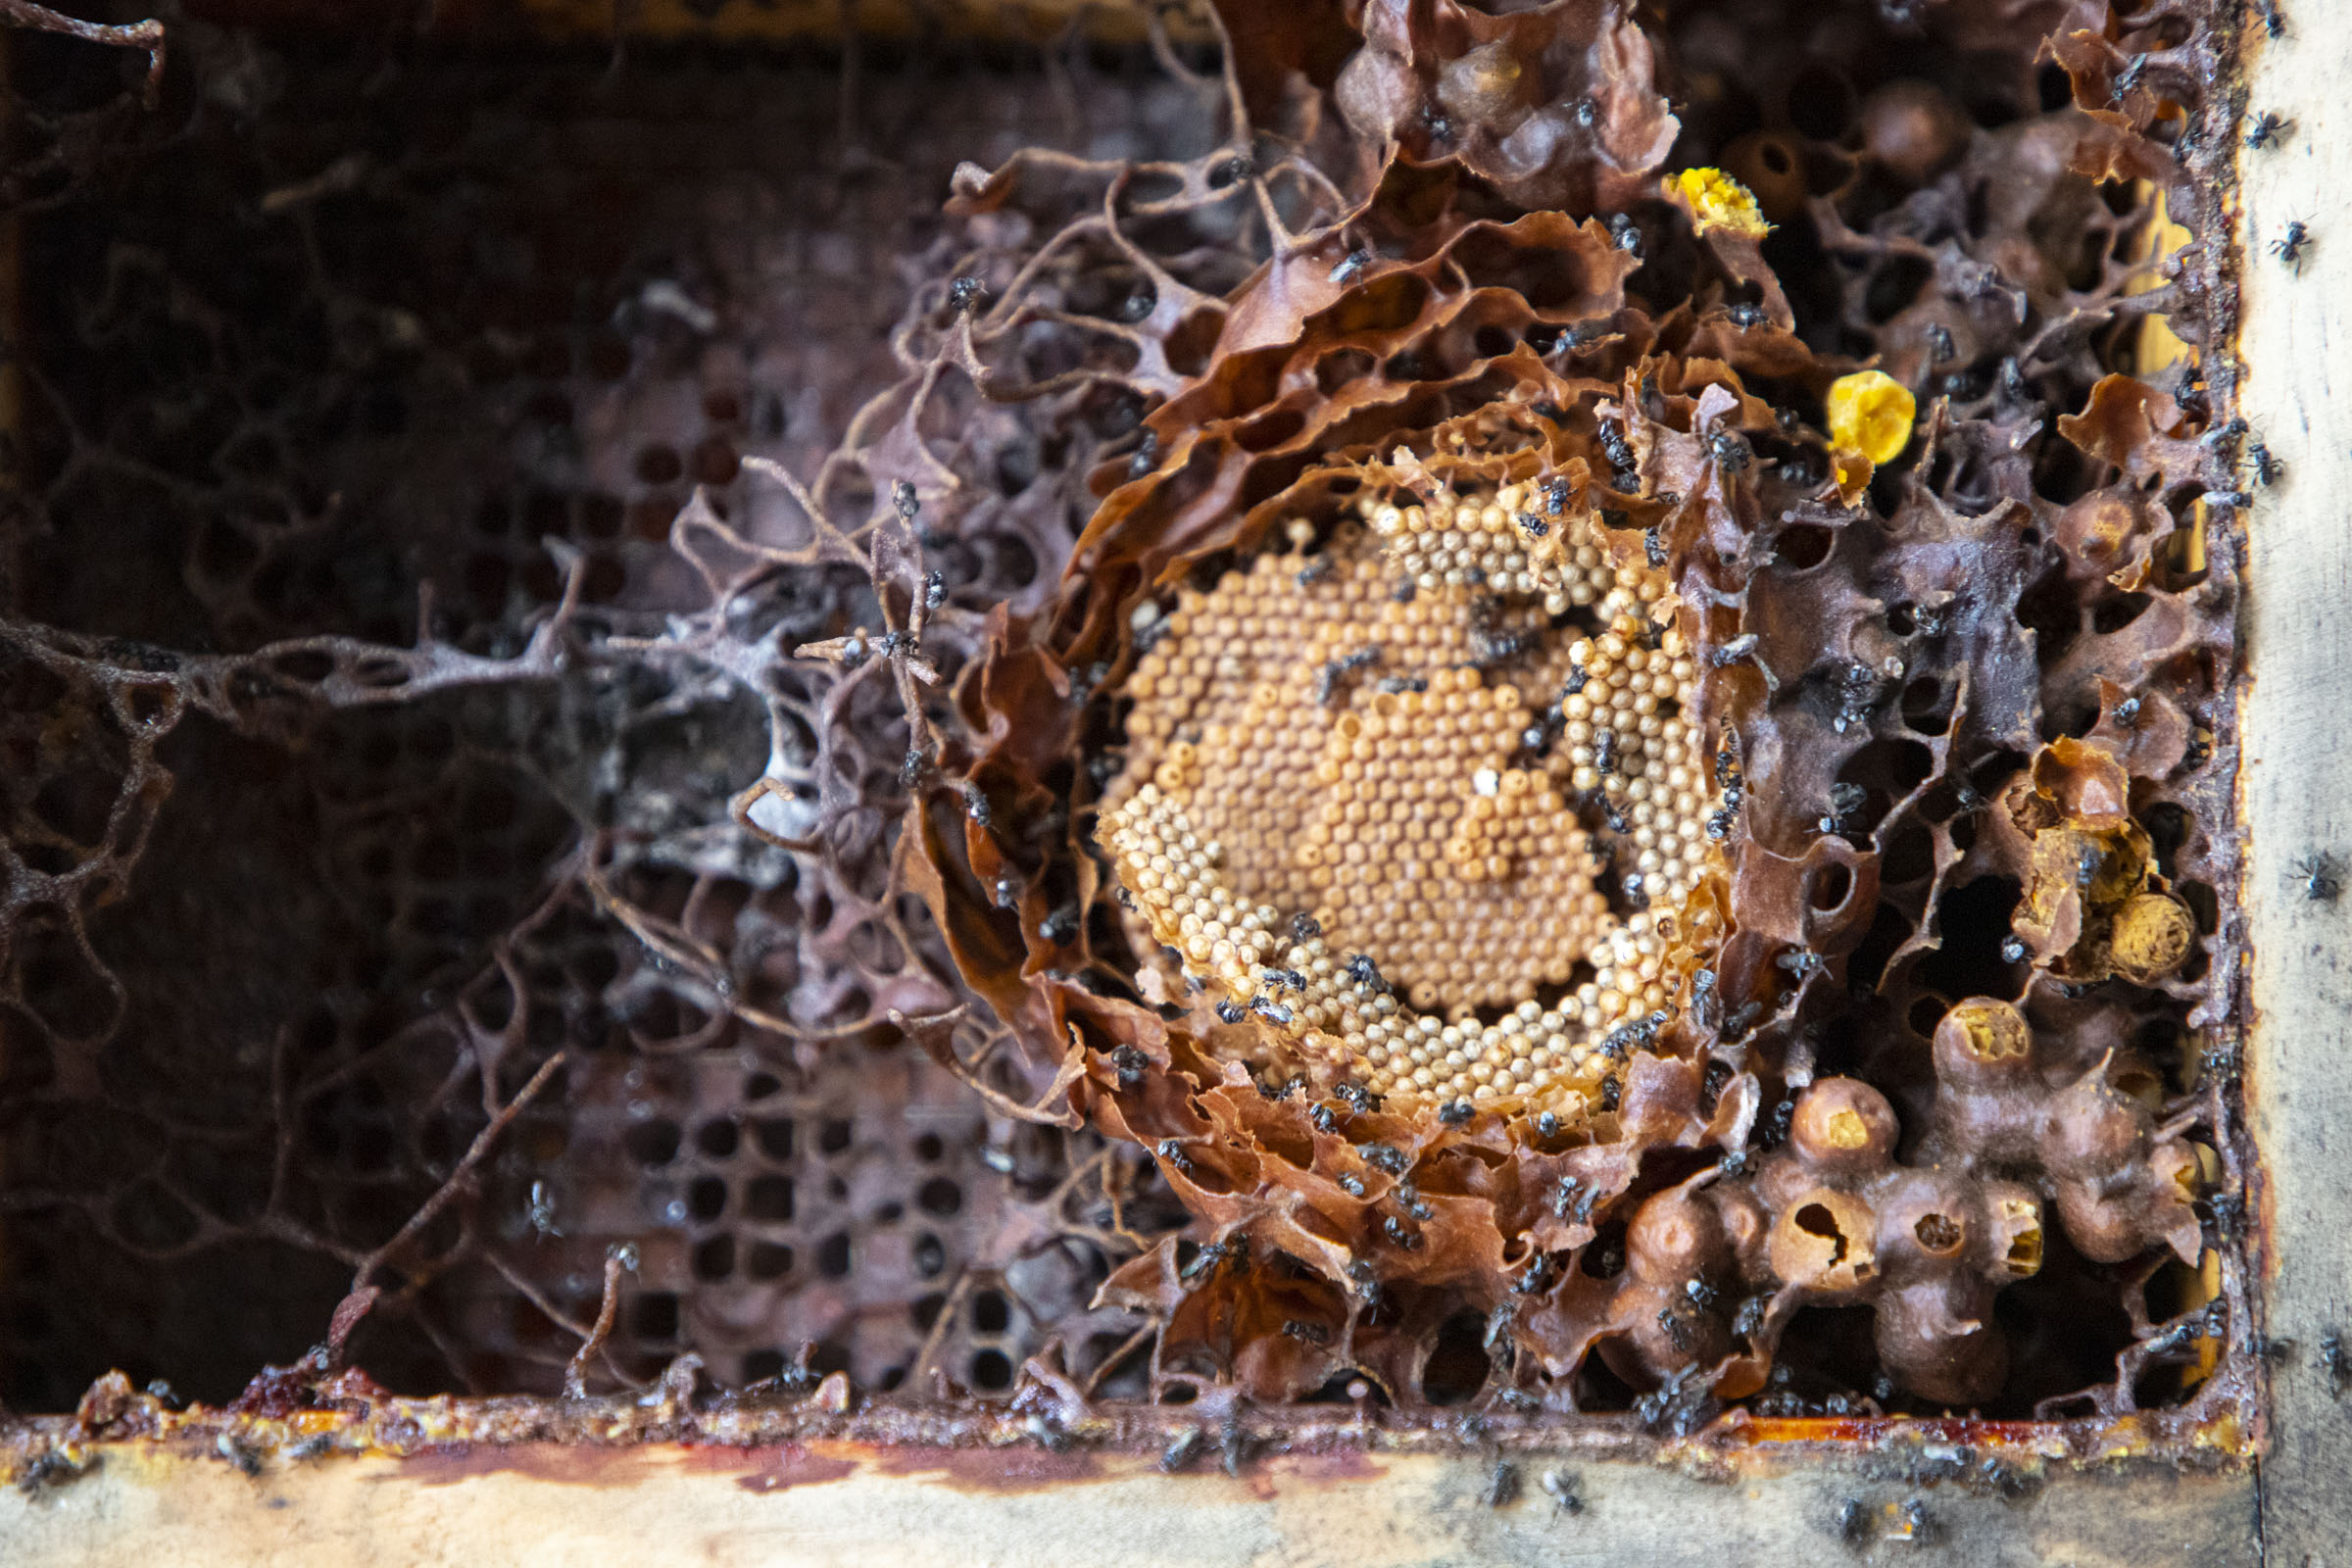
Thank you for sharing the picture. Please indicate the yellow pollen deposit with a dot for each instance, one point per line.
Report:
(1718, 201)
(1871, 412)
(1368, 793)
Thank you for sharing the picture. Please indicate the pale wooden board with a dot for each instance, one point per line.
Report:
(652, 1507)
(2297, 783)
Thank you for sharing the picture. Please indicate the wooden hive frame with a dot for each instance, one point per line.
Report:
(2271, 1494)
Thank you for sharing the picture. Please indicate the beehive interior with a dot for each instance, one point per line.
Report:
(390, 413)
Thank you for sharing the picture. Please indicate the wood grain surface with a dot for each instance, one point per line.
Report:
(810, 1508)
(2297, 787)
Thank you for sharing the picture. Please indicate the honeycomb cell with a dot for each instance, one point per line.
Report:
(1356, 796)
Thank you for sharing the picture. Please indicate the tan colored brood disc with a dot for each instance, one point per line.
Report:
(1371, 794)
